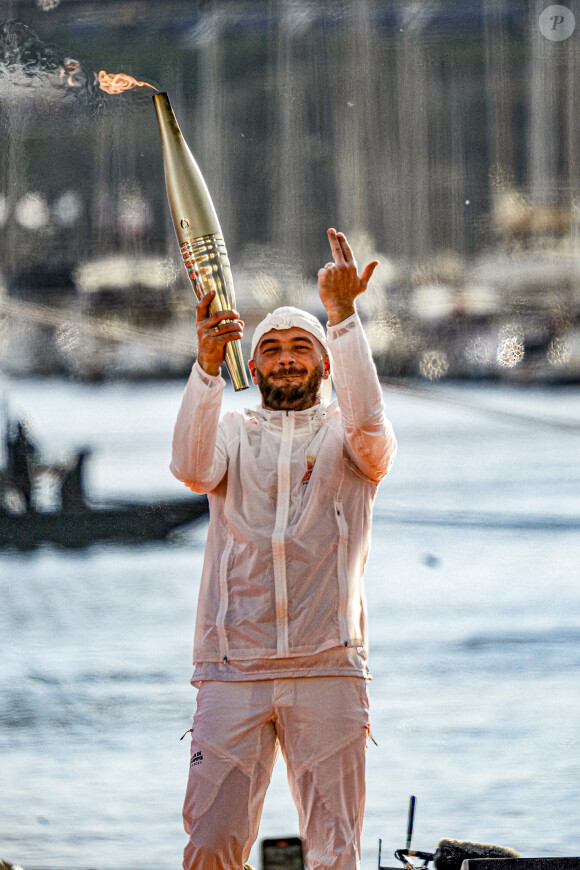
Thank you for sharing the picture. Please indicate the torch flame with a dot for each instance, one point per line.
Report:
(116, 83)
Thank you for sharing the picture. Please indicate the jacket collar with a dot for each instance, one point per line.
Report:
(308, 419)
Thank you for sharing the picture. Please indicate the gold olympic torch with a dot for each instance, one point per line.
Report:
(197, 228)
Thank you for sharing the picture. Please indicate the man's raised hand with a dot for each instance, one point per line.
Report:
(339, 283)
(213, 333)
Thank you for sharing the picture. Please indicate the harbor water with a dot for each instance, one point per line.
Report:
(474, 608)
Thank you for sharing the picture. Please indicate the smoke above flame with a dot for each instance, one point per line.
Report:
(116, 83)
(27, 62)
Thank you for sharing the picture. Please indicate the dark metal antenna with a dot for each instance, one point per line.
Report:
(410, 820)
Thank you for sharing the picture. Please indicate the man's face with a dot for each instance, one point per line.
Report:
(288, 367)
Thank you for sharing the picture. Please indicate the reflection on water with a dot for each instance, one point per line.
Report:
(439, 136)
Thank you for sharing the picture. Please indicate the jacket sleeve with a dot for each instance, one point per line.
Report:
(199, 457)
(370, 440)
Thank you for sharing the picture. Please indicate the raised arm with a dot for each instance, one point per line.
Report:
(370, 440)
(199, 457)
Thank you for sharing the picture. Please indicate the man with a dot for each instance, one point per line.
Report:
(21, 456)
(280, 640)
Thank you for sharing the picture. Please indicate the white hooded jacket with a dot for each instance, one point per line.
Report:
(291, 496)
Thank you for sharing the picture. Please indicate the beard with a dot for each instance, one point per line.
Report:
(280, 395)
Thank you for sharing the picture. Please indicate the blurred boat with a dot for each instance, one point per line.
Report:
(76, 521)
(108, 522)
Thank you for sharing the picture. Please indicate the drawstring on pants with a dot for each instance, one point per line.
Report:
(367, 729)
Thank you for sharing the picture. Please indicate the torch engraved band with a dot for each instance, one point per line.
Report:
(208, 266)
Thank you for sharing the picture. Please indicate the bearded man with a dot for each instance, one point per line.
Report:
(280, 649)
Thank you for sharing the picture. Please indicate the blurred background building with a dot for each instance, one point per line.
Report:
(440, 136)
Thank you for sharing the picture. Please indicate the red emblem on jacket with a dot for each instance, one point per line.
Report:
(310, 460)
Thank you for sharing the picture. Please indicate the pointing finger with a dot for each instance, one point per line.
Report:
(345, 248)
(336, 247)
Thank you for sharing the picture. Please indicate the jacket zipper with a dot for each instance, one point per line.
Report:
(278, 543)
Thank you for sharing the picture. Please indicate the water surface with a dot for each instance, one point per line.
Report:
(474, 624)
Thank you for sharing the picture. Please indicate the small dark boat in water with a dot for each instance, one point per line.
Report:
(76, 521)
(87, 524)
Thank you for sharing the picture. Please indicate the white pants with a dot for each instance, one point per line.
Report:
(320, 724)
